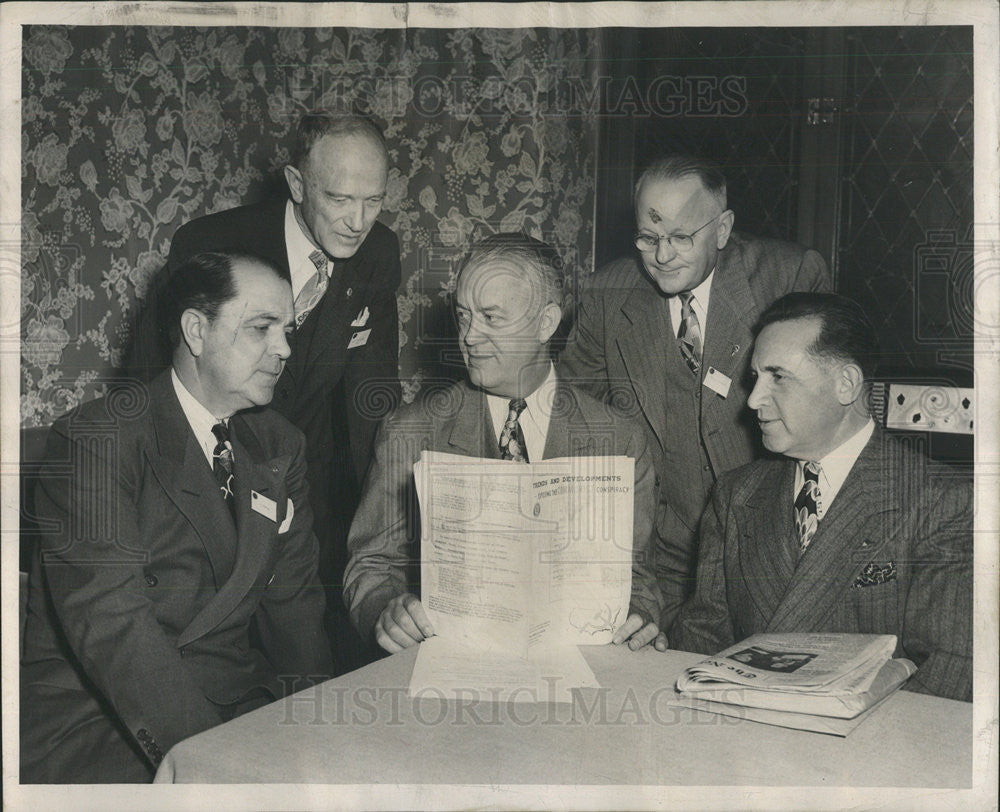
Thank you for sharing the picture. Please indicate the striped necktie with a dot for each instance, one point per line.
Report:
(512, 445)
(806, 511)
(313, 290)
(689, 334)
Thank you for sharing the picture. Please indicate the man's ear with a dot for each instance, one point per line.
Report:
(548, 321)
(293, 177)
(193, 325)
(850, 384)
(725, 228)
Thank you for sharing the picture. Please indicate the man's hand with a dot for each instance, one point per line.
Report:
(403, 623)
(639, 633)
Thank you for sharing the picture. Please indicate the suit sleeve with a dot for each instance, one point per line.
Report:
(704, 624)
(582, 363)
(383, 544)
(372, 377)
(812, 274)
(937, 625)
(645, 592)
(93, 570)
(290, 614)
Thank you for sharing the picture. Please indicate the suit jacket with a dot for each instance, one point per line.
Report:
(150, 613)
(892, 555)
(623, 348)
(385, 536)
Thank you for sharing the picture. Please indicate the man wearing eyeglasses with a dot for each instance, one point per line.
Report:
(667, 334)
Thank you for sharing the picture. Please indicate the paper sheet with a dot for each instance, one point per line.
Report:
(448, 670)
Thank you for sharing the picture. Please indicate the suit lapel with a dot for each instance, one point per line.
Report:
(326, 333)
(256, 532)
(472, 431)
(766, 560)
(857, 522)
(185, 476)
(729, 332)
(643, 349)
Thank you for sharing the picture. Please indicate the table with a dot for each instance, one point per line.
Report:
(362, 728)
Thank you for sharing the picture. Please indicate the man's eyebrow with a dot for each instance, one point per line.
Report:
(265, 316)
(777, 368)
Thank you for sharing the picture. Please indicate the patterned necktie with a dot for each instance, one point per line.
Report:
(222, 465)
(806, 515)
(313, 290)
(512, 445)
(689, 333)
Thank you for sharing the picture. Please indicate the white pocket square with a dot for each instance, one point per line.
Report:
(283, 528)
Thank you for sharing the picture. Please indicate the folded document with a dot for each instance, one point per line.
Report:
(804, 681)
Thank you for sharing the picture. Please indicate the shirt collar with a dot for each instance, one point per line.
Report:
(538, 409)
(299, 247)
(199, 418)
(836, 465)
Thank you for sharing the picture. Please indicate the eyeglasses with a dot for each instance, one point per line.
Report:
(682, 243)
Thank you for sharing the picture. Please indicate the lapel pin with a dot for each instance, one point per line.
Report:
(350, 291)
(736, 349)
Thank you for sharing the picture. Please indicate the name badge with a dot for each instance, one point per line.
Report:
(264, 506)
(359, 339)
(717, 381)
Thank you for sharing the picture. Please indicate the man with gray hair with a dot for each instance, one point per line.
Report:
(669, 330)
(508, 305)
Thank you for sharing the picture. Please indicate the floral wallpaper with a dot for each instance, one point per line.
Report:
(128, 132)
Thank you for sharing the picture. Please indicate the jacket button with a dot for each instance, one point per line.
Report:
(151, 580)
(270, 580)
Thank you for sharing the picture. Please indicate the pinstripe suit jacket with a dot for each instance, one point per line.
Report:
(892, 555)
(623, 349)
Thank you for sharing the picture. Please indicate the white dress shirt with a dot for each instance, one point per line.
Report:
(534, 419)
(834, 468)
(299, 247)
(199, 418)
(699, 304)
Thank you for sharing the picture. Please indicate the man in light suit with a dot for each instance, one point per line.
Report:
(850, 531)
(667, 336)
(342, 377)
(508, 305)
(178, 587)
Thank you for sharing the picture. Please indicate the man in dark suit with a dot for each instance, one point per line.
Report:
(508, 305)
(343, 374)
(851, 531)
(667, 336)
(178, 587)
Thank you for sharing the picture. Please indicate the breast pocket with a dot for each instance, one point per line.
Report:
(876, 607)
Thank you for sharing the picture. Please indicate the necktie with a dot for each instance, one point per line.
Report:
(222, 465)
(806, 516)
(512, 445)
(313, 290)
(689, 333)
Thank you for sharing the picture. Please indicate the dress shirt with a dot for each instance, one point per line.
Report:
(699, 304)
(199, 418)
(534, 419)
(299, 247)
(835, 467)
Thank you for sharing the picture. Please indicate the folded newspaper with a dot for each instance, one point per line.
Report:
(822, 682)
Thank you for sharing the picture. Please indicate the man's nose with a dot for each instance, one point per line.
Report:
(355, 217)
(756, 395)
(665, 251)
(281, 347)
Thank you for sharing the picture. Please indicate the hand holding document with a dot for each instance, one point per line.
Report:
(822, 682)
(519, 564)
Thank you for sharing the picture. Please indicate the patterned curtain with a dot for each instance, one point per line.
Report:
(128, 132)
